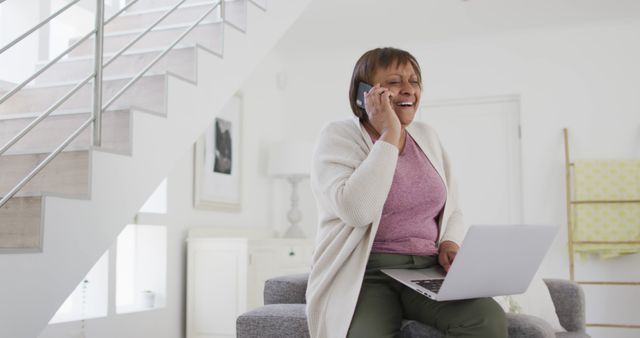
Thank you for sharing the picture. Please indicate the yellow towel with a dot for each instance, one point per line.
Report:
(607, 181)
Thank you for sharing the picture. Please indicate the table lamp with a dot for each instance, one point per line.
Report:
(291, 161)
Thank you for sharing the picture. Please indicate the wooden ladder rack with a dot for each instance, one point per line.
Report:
(570, 225)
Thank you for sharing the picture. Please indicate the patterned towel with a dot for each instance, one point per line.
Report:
(607, 181)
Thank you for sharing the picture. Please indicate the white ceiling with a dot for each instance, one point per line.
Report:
(335, 23)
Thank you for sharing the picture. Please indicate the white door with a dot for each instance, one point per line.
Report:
(482, 138)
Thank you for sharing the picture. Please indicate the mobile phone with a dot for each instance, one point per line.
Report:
(362, 88)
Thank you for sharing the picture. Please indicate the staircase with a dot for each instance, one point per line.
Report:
(58, 225)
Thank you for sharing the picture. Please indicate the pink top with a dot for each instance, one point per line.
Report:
(409, 217)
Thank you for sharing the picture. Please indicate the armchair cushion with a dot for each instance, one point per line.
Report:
(284, 313)
(274, 321)
(568, 299)
(521, 325)
(535, 301)
(289, 289)
(577, 334)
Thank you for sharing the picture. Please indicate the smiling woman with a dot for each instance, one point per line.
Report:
(401, 83)
(386, 199)
(396, 92)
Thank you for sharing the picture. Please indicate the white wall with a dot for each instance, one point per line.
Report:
(262, 115)
(583, 77)
(16, 17)
(121, 183)
(73, 23)
(261, 125)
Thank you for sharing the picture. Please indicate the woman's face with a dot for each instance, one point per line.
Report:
(403, 83)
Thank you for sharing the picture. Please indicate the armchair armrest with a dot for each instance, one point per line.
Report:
(288, 289)
(568, 298)
(521, 325)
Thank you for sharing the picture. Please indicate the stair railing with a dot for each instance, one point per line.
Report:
(96, 117)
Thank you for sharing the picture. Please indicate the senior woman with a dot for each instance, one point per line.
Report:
(387, 199)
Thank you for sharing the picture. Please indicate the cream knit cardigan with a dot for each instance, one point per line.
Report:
(351, 178)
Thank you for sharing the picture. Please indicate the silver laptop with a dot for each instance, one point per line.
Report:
(494, 260)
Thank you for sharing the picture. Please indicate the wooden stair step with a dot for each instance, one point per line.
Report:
(142, 5)
(52, 131)
(138, 17)
(236, 14)
(209, 34)
(178, 61)
(147, 92)
(66, 174)
(20, 228)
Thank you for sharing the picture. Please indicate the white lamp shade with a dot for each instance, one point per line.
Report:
(290, 159)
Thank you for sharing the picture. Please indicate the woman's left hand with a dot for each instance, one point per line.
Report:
(447, 253)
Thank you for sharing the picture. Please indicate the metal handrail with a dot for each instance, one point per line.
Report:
(142, 34)
(36, 27)
(7, 95)
(106, 22)
(164, 52)
(47, 66)
(97, 80)
(45, 162)
(97, 92)
(44, 115)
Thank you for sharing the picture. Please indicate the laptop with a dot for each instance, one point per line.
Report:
(494, 260)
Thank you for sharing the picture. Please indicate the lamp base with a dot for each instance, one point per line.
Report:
(294, 215)
(294, 231)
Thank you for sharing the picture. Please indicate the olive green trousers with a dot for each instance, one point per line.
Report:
(384, 303)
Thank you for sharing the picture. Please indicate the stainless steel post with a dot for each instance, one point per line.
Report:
(97, 81)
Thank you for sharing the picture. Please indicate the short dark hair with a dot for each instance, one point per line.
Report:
(369, 63)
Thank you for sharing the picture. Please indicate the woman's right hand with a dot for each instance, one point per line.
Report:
(381, 115)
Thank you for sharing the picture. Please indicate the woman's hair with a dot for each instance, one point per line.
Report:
(372, 61)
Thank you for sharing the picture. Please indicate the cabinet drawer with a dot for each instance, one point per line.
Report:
(285, 255)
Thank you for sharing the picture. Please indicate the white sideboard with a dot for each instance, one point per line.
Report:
(226, 275)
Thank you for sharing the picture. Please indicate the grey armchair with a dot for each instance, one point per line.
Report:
(283, 315)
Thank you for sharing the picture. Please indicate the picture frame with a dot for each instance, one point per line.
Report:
(217, 161)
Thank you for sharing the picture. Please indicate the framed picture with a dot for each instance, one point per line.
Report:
(217, 176)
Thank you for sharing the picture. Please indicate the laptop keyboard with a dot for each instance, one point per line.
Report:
(430, 284)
